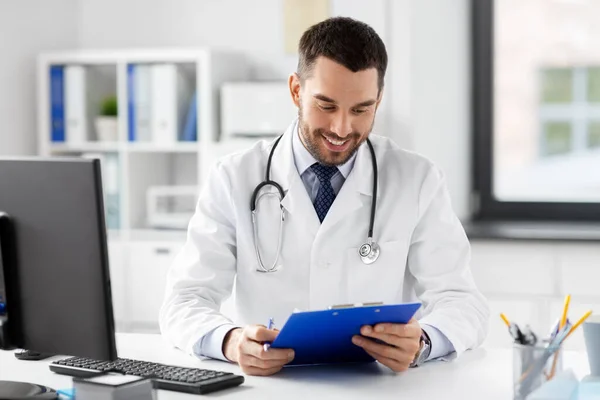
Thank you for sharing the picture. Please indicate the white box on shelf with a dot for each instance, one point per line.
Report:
(171, 207)
(255, 109)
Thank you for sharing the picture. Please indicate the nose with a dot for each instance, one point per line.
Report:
(341, 125)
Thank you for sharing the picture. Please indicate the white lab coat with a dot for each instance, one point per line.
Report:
(425, 254)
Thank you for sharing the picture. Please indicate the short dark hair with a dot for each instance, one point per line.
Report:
(349, 42)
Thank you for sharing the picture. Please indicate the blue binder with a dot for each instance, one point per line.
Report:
(325, 337)
(57, 103)
(190, 128)
(132, 134)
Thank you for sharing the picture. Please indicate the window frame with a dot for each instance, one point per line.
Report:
(486, 206)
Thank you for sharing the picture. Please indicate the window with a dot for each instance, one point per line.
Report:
(569, 110)
(536, 109)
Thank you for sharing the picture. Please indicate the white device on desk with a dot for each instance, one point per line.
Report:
(170, 207)
(255, 109)
(109, 386)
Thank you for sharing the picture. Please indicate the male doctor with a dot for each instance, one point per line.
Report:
(325, 168)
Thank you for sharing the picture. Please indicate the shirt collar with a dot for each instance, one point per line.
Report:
(304, 159)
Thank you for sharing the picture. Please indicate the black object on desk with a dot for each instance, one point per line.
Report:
(168, 377)
(29, 355)
(55, 285)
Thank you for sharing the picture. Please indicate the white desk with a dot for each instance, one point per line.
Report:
(479, 374)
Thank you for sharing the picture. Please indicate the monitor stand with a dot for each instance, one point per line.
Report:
(23, 390)
(13, 390)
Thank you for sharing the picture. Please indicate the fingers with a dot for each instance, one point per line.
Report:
(248, 360)
(254, 359)
(385, 351)
(410, 345)
(388, 338)
(410, 330)
(259, 333)
(394, 365)
(262, 372)
(257, 350)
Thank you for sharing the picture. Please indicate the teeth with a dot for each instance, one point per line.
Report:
(336, 142)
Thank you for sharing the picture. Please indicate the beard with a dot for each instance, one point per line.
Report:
(313, 141)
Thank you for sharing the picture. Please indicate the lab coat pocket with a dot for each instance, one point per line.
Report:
(380, 281)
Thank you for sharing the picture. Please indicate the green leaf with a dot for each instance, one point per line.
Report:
(109, 107)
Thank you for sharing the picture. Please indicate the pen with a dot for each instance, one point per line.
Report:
(269, 326)
(581, 321)
(563, 320)
(514, 330)
(554, 329)
(577, 324)
(530, 337)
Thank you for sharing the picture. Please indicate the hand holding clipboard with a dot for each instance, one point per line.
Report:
(325, 337)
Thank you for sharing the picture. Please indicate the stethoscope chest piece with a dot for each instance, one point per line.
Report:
(369, 252)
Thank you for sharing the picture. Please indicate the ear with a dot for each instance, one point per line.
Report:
(294, 84)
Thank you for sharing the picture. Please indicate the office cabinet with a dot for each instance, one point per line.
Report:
(147, 267)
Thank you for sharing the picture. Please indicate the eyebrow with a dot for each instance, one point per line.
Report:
(326, 99)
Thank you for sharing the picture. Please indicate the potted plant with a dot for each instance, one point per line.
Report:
(106, 122)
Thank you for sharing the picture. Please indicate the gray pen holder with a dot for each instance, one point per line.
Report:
(533, 366)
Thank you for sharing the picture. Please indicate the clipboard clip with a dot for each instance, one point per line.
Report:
(353, 305)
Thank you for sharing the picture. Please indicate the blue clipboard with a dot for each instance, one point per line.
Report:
(325, 337)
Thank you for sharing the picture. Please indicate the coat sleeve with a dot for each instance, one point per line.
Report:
(202, 274)
(439, 259)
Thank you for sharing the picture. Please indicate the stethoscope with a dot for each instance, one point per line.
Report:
(368, 251)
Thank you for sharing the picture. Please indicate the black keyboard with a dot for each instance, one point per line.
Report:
(168, 377)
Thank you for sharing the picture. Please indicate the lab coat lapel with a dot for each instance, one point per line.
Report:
(296, 201)
(355, 193)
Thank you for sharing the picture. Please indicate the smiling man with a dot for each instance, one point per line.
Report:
(318, 191)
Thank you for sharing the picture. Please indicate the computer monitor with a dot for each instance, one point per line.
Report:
(54, 274)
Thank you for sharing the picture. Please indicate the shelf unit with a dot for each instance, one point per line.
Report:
(135, 249)
(142, 164)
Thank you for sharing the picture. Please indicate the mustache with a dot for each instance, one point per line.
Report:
(333, 136)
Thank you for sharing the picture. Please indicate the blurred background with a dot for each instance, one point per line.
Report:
(503, 95)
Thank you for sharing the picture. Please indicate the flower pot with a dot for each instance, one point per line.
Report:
(107, 129)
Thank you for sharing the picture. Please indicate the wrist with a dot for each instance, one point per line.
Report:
(230, 344)
(424, 350)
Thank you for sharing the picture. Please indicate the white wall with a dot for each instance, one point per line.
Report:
(158, 23)
(426, 101)
(254, 28)
(26, 28)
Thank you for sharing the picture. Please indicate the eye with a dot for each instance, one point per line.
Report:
(326, 107)
(359, 110)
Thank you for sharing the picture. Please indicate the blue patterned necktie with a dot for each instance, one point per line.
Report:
(325, 194)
